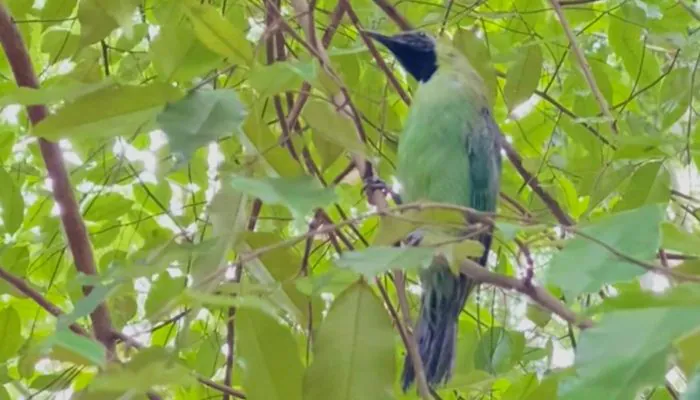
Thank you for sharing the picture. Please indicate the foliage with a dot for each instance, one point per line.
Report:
(217, 156)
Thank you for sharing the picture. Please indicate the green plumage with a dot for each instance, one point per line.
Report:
(448, 152)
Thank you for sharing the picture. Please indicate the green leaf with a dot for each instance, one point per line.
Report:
(675, 96)
(332, 126)
(301, 195)
(626, 40)
(98, 18)
(376, 260)
(55, 10)
(268, 349)
(607, 353)
(163, 291)
(69, 346)
(523, 76)
(218, 34)
(10, 333)
(51, 94)
(354, 354)
(499, 350)
(676, 239)
(12, 202)
(538, 315)
(200, 118)
(584, 266)
(108, 206)
(177, 54)
(113, 111)
(85, 305)
(651, 183)
(271, 79)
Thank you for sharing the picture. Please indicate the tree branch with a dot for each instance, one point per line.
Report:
(73, 224)
(536, 293)
(583, 64)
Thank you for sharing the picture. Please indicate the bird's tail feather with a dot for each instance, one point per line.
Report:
(444, 296)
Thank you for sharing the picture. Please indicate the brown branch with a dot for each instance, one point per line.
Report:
(583, 64)
(73, 224)
(535, 185)
(536, 293)
(23, 287)
(394, 15)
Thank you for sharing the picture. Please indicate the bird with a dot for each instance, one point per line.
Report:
(448, 152)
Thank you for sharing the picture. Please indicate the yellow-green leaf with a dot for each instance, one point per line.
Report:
(325, 121)
(113, 111)
(273, 369)
(218, 34)
(523, 76)
(354, 355)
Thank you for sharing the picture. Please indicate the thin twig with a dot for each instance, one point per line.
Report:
(583, 64)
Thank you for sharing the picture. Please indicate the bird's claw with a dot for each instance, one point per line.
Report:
(374, 183)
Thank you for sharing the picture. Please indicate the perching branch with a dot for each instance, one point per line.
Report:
(24, 288)
(72, 221)
(536, 293)
(583, 64)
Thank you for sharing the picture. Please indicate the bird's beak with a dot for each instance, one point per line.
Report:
(387, 41)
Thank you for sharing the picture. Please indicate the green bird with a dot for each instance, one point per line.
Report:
(448, 152)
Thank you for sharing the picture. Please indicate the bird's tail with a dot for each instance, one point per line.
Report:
(444, 296)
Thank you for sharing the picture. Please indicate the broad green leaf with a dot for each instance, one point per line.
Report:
(10, 333)
(354, 354)
(218, 34)
(301, 195)
(113, 111)
(538, 315)
(98, 18)
(60, 44)
(607, 353)
(273, 369)
(584, 266)
(651, 183)
(498, 350)
(376, 260)
(628, 43)
(69, 346)
(52, 94)
(523, 76)
(85, 305)
(325, 121)
(55, 10)
(108, 206)
(163, 292)
(675, 96)
(676, 239)
(178, 54)
(200, 118)
(12, 202)
(148, 368)
(268, 80)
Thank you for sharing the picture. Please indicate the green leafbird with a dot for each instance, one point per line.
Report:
(448, 152)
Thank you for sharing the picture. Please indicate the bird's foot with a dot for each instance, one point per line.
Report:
(374, 183)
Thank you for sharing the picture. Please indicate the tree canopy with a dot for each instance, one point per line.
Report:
(186, 213)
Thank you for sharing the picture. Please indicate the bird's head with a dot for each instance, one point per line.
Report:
(414, 50)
